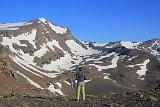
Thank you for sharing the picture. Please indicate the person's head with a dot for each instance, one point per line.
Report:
(80, 68)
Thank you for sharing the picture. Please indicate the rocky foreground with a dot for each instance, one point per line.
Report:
(147, 98)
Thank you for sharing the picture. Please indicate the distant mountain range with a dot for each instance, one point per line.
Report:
(40, 55)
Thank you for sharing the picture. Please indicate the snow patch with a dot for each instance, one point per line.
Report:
(58, 29)
(21, 62)
(155, 52)
(59, 84)
(54, 90)
(132, 58)
(100, 44)
(67, 82)
(143, 67)
(132, 66)
(61, 64)
(30, 37)
(133, 85)
(130, 45)
(87, 80)
(101, 57)
(42, 51)
(114, 62)
(13, 26)
(43, 20)
(76, 48)
(106, 76)
(103, 44)
(112, 46)
(113, 65)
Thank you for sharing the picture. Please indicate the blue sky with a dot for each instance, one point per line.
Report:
(91, 20)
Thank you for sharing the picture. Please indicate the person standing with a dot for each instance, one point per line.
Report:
(80, 77)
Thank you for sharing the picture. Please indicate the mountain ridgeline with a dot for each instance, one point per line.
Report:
(39, 55)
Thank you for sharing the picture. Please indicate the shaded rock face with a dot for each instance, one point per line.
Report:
(42, 53)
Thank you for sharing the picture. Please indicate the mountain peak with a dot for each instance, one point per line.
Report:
(56, 28)
(42, 19)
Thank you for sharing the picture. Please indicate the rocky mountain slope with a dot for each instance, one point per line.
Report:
(46, 56)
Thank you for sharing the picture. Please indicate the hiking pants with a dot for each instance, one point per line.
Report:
(81, 87)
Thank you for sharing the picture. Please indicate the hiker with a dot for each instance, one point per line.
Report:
(80, 77)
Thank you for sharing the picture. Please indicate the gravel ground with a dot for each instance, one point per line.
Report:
(148, 98)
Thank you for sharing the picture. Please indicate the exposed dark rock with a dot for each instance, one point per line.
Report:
(157, 88)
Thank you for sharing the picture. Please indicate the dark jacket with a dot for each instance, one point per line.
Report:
(80, 76)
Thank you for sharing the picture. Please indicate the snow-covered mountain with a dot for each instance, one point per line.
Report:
(47, 56)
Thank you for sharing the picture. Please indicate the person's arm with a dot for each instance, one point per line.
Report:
(76, 76)
(85, 77)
